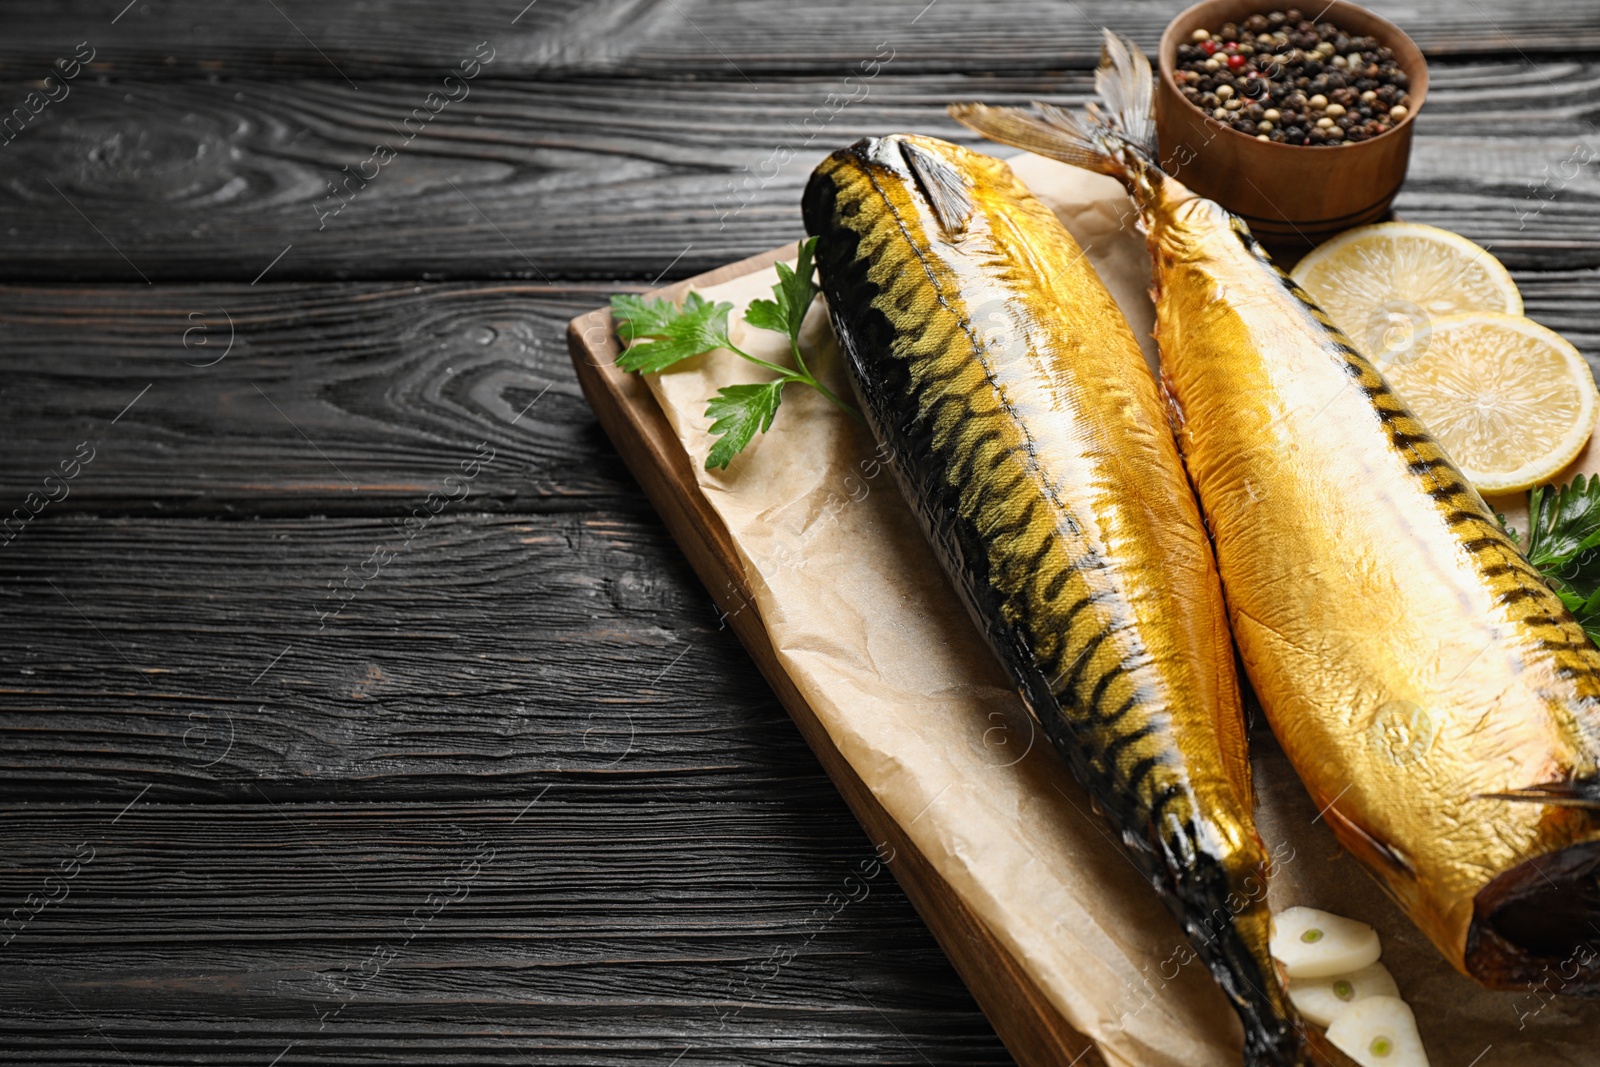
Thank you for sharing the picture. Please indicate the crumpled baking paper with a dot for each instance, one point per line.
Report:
(864, 622)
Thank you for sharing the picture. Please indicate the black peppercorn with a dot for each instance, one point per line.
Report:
(1306, 83)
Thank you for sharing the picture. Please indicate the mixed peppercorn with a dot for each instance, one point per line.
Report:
(1281, 77)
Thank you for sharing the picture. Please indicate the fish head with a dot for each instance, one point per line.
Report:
(932, 186)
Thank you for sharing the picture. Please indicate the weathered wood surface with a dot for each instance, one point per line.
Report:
(299, 399)
(736, 39)
(525, 646)
(489, 658)
(621, 178)
(569, 932)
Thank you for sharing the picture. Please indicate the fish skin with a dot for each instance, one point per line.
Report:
(1435, 696)
(1034, 446)
(1412, 663)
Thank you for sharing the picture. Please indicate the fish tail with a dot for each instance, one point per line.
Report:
(1118, 139)
(1235, 954)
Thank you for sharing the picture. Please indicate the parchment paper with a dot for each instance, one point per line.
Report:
(870, 632)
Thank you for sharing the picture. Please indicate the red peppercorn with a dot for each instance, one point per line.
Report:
(1235, 62)
(1208, 47)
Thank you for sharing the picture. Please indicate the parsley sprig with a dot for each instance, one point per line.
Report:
(1563, 542)
(659, 334)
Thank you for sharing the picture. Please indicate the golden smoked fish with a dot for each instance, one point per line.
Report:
(1436, 698)
(1029, 436)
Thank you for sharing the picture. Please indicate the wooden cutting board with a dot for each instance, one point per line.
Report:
(1033, 1031)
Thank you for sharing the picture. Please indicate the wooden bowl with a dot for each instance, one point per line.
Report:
(1293, 196)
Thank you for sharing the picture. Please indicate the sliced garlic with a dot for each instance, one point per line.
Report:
(1378, 1032)
(1320, 999)
(1317, 944)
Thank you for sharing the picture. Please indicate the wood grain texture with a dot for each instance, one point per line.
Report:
(490, 658)
(342, 399)
(733, 39)
(623, 178)
(1026, 1019)
(565, 932)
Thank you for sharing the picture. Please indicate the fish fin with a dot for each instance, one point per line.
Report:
(943, 185)
(1118, 140)
(1576, 793)
(1123, 81)
(1051, 132)
(1376, 852)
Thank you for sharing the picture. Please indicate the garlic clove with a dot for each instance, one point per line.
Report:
(1316, 944)
(1379, 1032)
(1321, 999)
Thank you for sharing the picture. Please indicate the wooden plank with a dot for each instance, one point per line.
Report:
(734, 39)
(626, 178)
(1032, 1028)
(565, 932)
(345, 399)
(490, 657)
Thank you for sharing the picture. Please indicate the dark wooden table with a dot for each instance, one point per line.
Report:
(355, 707)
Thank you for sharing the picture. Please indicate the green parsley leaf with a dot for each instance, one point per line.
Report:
(639, 316)
(1563, 524)
(767, 315)
(792, 296)
(1587, 612)
(1589, 619)
(738, 413)
(659, 335)
(1563, 542)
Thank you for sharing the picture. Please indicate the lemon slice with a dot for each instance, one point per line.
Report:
(1385, 285)
(1511, 402)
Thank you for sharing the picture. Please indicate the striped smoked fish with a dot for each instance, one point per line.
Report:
(1439, 703)
(1027, 432)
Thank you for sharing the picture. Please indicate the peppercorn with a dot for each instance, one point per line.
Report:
(1280, 77)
